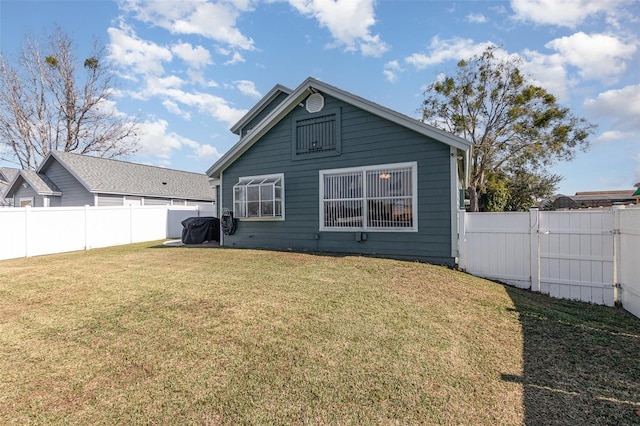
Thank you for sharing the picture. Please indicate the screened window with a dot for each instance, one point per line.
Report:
(382, 198)
(259, 197)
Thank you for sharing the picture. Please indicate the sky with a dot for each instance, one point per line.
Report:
(189, 69)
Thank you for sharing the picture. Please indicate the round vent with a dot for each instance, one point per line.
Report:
(315, 102)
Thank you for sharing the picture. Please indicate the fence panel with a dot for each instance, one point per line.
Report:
(497, 246)
(148, 224)
(31, 231)
(13, 241)
(54, 230)
(109, 226)
(577, 256)
(628, 256)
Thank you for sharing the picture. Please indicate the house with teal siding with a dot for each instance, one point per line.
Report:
(320, 169)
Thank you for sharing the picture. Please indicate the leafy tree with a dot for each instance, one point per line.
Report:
(495, 194)
(51, 101)
(512, 124)
(526, 188)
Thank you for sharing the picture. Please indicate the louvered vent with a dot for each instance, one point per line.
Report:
(315, 102)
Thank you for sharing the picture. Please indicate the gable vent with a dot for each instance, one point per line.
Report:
(315, 102)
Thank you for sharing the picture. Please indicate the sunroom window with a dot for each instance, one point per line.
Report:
(259, 197)
(373, 198)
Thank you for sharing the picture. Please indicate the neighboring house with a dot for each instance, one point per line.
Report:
(67, 179)
(590, 199)
(6, 176)
(320, 169)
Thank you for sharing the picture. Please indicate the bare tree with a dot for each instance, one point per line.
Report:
(513, 125)
(51, 101)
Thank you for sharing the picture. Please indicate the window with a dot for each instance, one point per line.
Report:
(26, 201)
(375, 198)
(316, 135)
(259, 197)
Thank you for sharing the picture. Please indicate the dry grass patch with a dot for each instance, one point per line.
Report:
(141, 334)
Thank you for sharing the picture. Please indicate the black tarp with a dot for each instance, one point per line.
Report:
(197, 230)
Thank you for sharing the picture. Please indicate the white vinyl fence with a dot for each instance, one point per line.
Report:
(589, 255)
(30, 231)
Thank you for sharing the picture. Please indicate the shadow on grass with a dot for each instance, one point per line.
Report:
(581, 362)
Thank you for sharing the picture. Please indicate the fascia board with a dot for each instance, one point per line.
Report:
(266, 100)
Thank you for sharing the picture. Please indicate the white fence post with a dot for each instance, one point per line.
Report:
(617, 251)
(534, 253)
(462, 241)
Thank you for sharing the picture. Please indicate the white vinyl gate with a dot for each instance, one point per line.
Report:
(590, 255)
(577, 256)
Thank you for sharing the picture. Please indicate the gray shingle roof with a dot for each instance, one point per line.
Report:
(41, 184)
(107, 176)
(7, 174)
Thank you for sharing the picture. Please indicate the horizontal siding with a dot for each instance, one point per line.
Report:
(73, 193)
(156, 202)
(110, 200)
(27, 192)
(366, 140)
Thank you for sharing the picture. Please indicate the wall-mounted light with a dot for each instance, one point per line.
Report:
(25, 185)
(384, 175)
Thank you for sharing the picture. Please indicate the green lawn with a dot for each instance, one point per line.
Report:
(145, 334)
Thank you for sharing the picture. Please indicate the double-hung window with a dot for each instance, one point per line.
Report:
(372, 198)
(259, 197)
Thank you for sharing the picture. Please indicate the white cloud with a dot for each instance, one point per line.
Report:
(163, 83)
(196, 57)
(391, 70)
(248, 88)
(204, 152)
(133, 53)
(476, 18)
(235, 58)
(566, 13)
(156, 141)
(445, 50)
(173, 108)
(547, 71)
(207, 103)
(213, 20)
(614, 135)
(348, 21)
(597, 56)
(621, 105)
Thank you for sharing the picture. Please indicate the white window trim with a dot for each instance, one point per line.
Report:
(267, 218)
(414, 196)
(21, 199)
